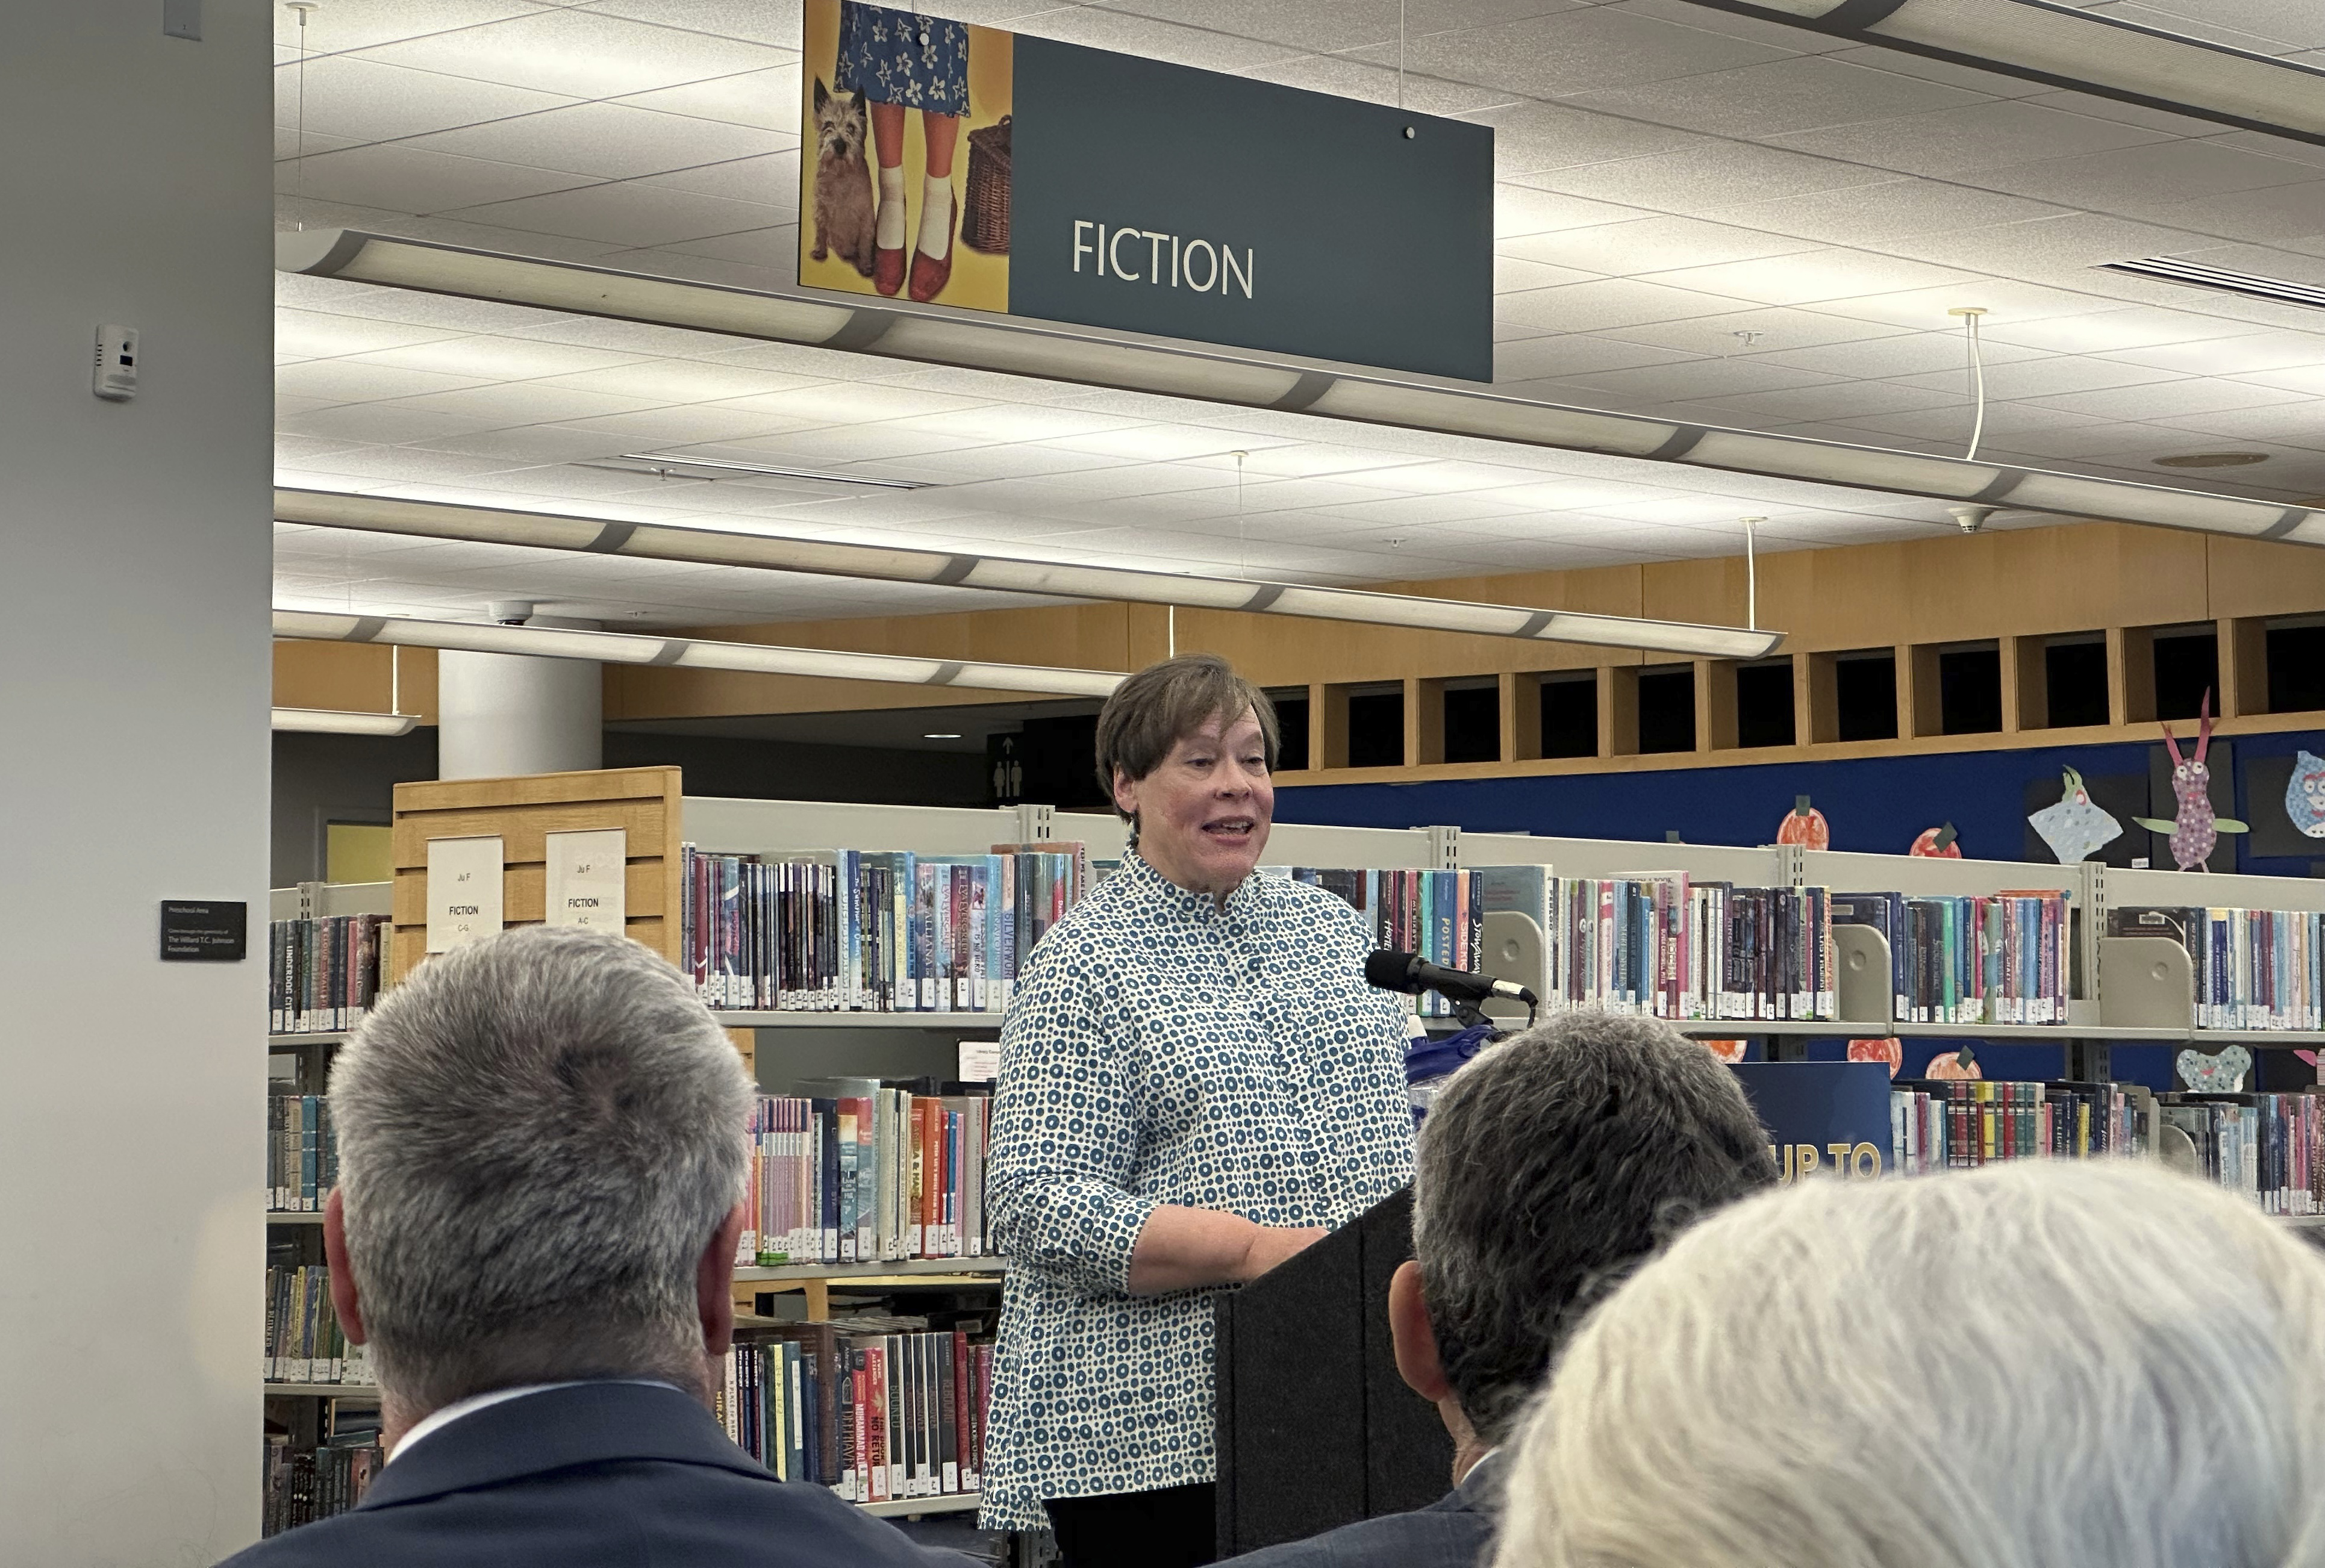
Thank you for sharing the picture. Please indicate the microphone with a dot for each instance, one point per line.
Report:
(1409, 972)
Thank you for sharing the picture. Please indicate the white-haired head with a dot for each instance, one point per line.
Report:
(539, 1136)
(2037, 1365)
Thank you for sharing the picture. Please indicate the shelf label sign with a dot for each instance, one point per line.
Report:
(464, 891)
(1048, 180)
(204, 931)
(587, 877)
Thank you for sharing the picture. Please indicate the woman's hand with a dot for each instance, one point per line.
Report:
(1271, 1245)
(1185, 1248)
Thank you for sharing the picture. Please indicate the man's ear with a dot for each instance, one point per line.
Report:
(343, 1274)
(1125, 792)
(714, 1284)
(1414, 1340)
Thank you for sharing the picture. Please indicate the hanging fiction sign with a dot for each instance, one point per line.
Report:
(952, 164)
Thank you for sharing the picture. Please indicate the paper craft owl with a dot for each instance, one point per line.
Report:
(2195, 830)
(2304, 795)
(2075, 829)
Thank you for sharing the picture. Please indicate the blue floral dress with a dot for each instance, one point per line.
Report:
(1161, 1048)
(903, 56)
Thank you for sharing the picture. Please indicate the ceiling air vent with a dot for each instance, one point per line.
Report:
(2196, 275)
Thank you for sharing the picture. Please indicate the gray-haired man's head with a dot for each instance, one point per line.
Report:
(538, 1137)
(1550, 1166)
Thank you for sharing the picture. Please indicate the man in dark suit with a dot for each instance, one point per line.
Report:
(542, 1154)
(1548, 1169)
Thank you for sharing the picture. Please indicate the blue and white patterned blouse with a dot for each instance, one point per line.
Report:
(1163, 1049)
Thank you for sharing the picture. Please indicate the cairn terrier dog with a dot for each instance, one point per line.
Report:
(843, 180)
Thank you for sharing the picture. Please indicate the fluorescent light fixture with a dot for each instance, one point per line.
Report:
(689, 653)
(2088, 51)
(941, 735)
(888, 563)
(2196, 275)
(1159, 365)
(342, 722)
(719, 468)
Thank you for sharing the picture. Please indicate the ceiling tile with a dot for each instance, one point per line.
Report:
(1698, 179)
(1982, 136)
(2137, 326)
(370, 100)
(606, 141)
(1370, 76)
(1579, 50)
(1813, 276)
(581, 53)
(2139, 180)
(769, 22)
(1758, 331)
(1607, 303)
(627, 214)
(2171, 400)
(402, 179)
(1656, 244)
(766, 100)
(1836, 401)
(317, 334)
(360, 23)
(1530, 136)
(2232, 355)
(1576, 354)
(1520, 211)
(1705, 378)
(1156, 40)
(1803, 93)
(355, 381)
(496, 358)
(1890, 209)
(1906, 354)
(2275, 215)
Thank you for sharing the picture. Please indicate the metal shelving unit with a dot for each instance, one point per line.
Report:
(320, 1390)
(902, 1268)
(913, 1508)
(861, 1020)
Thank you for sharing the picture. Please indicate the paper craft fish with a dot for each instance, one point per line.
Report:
(2195, 830)
(2221, 1074)
(2304, 795)
(2075, 829)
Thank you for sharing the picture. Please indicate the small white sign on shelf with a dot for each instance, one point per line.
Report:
(464, 891)
(980, 1061)
(588, 874)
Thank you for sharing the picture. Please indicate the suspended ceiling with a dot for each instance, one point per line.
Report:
(1698, 216)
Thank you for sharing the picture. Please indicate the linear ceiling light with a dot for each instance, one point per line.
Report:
(343, 722)
(2091, 52)
(895, 564)
(689, 653)
(1180, 370)
(2198, 276)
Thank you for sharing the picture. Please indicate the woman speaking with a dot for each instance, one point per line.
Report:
(1196, 1082)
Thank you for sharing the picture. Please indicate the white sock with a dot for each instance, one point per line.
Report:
(888, 224)
(936, 219)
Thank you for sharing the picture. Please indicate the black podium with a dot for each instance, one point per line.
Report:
(1315, 1429)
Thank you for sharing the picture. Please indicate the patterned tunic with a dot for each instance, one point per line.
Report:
(902, 57)
(1161, 1049)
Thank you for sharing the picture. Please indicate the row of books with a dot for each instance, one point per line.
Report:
(2263, 1146)
(849, 930)
(303, 1484)
(1955, 1124)
(1437, 914)
(2256, 969)
(322, 975)
(302, 1153)
(1997, 959)
(1663, 944)
(303, 1341)
(877, 1408)
(873, 1172)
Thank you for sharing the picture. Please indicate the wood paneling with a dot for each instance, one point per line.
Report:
(642, 802)
(354, 678)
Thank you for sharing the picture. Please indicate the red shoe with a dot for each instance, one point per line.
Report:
(929, 278)
(888, 269)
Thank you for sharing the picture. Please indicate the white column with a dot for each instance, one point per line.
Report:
(135, 569)
(505, 713)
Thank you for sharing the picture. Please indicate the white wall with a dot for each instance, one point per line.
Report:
(133, 682)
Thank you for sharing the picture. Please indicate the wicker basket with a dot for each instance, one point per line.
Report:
(985, 219)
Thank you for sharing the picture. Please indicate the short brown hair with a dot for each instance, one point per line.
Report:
(1165, 703)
